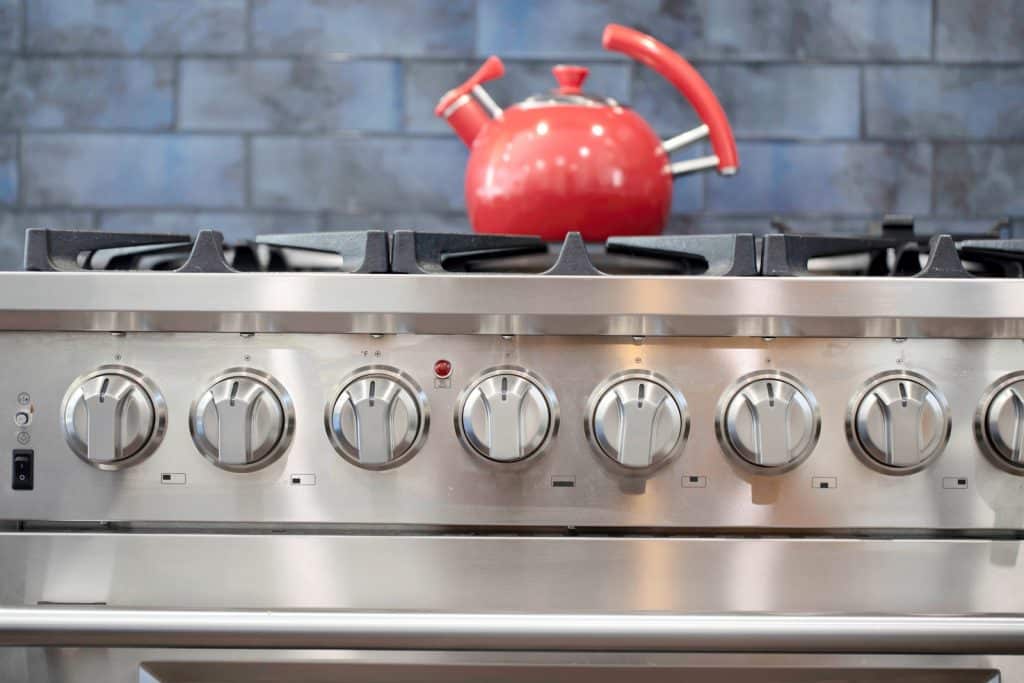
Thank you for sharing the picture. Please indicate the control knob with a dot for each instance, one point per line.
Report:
(378, 420)
(506, 415)
(637, 420)
(999, 423)
(113, 417)
(899, 422)
(769, 421)
(243, 421)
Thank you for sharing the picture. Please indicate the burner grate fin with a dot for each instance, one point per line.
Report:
(573, 258)
(430, 252)
(721, 255)
(207, 255)
(943, 259)
(788, 255)
(58, 250)
(362, 251)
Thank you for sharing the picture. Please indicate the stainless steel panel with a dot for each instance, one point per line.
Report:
(512, 574)
(445, 484)
(645, 578)
(75, 665)
(499, 304)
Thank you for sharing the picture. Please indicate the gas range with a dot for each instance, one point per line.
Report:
(468, 443)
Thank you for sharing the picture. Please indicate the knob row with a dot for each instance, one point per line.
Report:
(767, 421)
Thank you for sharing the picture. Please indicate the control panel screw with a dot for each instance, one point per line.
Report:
(24, 398)
(24, 438)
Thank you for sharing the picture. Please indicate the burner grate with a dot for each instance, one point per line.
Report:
(897, 251)
(75, 250)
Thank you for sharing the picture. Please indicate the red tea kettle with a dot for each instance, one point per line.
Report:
(569, 161)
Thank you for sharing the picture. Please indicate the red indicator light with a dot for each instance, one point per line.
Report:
(442, 369)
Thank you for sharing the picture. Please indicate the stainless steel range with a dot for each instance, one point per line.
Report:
(425, 457)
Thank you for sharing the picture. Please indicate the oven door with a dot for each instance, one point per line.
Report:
(204, 608)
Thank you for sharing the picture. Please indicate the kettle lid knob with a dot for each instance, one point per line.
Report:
(570, 78)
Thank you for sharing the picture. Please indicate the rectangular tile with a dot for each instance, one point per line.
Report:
(234, 225)
(434, 28)
(14, 223)
(979, 31)
(10, 25)
(976, 179)
(358, 174)
(8, 169)
(571, 29)
(709, 29)
(827, 178)
(426, 81)
(825, 29)
(136, 26)
(968, 102)
(87, 93)
(98, 170)
(801, 101)
(436, 221)
(289, 95)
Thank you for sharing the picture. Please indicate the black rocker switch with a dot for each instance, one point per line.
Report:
(22, 470)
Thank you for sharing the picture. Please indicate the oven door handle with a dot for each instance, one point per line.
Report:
(116, 627)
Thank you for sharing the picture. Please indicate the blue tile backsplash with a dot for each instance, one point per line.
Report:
(259, 116)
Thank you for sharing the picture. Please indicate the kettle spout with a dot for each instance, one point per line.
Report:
(461, 106)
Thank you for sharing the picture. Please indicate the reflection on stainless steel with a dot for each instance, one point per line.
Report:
(499, 304)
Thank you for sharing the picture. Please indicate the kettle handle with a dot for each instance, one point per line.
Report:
(693, 87)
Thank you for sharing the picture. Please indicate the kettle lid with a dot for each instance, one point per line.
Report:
(569, 91)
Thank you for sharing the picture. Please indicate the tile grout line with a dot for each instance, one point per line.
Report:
(247, 171)
(23, 21)
(247, 49)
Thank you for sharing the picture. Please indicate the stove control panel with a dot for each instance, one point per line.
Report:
(530, 431)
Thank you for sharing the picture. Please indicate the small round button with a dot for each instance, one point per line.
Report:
(243, 421)
(637, 419)
(113, 417)
(378, 419)
(899, 422)
(22, 418)
(769, 421)
(506, 415)
(999, 423)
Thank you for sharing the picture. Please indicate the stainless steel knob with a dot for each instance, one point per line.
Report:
(243, 421)
(769, 421)
(999, 423)
(505, 415)
(637, 420)
(113, 416)
(378, 419)
(900, 422)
